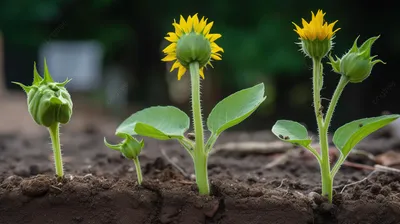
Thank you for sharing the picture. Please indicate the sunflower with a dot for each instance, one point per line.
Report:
(192, 42)
(316, 29)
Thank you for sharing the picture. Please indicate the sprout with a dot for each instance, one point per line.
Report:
(50, 105)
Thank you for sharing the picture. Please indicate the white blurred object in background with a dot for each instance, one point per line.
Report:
(81, 61)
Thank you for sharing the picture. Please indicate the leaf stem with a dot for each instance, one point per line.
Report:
(314, 152)
(54, 131)
(138, 169)
(199, 155)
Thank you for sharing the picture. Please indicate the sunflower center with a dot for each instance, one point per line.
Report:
(193, 47)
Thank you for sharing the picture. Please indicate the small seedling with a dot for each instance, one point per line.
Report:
(50, 105)
(192, 48)
(130, 149)
(354, 67)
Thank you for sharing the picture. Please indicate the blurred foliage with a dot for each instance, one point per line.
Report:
(257, 36)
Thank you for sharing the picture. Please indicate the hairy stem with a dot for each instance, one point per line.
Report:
(54, 131)
(322, 132)
(199, 154)
(138, 170)
(335, 98)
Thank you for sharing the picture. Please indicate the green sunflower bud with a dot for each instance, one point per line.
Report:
(316, 49)
(193, 47)
(356, 64)
(130, 147)
(48, 102)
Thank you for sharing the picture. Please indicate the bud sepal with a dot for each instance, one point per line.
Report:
(357, 63)
(316, 49)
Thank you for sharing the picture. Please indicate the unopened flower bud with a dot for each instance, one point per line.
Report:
(193, 47)
(130, 147)
(356, 64)
(48, 102)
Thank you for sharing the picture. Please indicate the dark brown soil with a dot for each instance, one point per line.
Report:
(254, 180)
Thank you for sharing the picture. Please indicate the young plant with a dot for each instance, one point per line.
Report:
(355, 66)
(192, 48)
(50, 105)
(130, 149)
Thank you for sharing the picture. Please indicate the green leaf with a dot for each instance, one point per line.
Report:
(291, 131)
(349, 135)
(235, 108)
(160, 122)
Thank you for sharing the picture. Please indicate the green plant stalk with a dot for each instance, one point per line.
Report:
(322, 131)
(54, 131)
(138, 169)
(199, 154)
(335, 98)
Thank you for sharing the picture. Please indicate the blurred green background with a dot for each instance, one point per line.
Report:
(257, 36)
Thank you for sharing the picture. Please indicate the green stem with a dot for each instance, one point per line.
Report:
(338, 163)
(199, 154)
(335, 98)
(322, 132)
(314, 152)
(210, 142)
(54, 131)
(138, 169)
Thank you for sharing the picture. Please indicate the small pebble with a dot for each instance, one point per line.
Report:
(317, 198)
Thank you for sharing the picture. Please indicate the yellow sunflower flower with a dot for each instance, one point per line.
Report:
(192, 42)
(316, 36)
(316, 28)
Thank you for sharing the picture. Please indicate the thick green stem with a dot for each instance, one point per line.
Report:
(138, 170)
(54, 131)
(322, 132)
(199, 154)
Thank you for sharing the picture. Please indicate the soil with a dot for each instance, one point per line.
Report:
(254, 179)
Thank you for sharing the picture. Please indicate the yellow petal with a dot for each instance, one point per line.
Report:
(175, 65)
(195, 22)
(181, 72)
(215, 48)
(171, 48)
(213, 37)
(172, 37)
(201, 72)
(207, 28)
(183, 25)
(202, 24)
(215, 57)
(190, 24)
(169, 57)
(178, 29)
